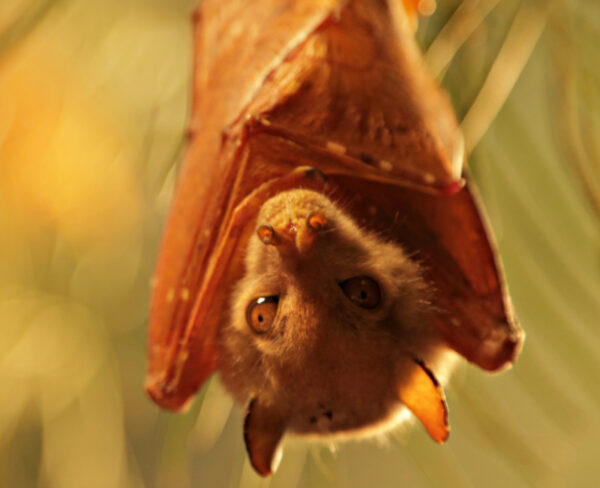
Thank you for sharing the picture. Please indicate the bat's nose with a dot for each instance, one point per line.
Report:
(297, 235)
(308, 230)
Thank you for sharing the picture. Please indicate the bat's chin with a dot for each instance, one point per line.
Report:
(328, 430)
(360, 402)
(345, 423)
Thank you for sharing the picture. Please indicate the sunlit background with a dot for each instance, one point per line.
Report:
(93, 106)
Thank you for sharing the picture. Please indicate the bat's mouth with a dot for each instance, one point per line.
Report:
(325, 421)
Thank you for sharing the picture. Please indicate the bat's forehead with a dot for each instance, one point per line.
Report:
(304, 235)
(293, 206)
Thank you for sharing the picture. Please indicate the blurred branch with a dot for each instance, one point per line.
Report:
(525, 31)
(467, 18)
(578, 126)
(23, 25)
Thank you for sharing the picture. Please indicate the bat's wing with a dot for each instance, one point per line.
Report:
(475, 311)
(356, 87)
(449, 237)
(334, 84)
(237, 43)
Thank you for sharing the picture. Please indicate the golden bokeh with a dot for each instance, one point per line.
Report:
(93, 106)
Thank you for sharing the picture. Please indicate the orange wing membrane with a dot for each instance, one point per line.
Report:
(281, 86)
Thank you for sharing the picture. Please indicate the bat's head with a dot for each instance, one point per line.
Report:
(330, 329)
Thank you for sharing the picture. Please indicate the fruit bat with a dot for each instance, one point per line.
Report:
(325, 252)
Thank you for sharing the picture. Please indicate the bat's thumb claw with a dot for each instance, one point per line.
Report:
(316, 174)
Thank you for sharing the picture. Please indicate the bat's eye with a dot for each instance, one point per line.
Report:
(261, 313)
(363, 291)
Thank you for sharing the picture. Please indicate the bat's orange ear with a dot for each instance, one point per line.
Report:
(421, 392)
(263, 430)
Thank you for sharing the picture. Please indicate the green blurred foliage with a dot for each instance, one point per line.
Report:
(93, 107)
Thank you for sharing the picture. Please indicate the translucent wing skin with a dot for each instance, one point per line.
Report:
(356, 86)
(339, 86)
(449, 237)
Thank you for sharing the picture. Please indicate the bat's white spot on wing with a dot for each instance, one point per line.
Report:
(185, 294)
(385, 165)
(170, 295)
(428, 178)
(336, 147)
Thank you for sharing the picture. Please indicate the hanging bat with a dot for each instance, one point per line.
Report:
(324, 253)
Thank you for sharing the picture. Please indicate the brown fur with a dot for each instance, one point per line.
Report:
(326, 366)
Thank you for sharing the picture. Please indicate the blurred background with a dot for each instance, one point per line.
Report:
(93, 107)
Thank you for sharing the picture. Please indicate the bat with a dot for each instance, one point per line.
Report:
(325, 252)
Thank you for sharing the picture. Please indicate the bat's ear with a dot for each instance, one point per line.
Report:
(263, 429)
(422, 394)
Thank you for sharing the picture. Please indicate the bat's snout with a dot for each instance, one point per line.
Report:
(298, 235)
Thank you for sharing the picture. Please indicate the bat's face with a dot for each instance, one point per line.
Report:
(325, 320)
